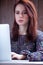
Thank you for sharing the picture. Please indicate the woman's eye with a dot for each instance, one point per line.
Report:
(24, 12)
(17, 12)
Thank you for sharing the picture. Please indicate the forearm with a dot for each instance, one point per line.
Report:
(36, 56)
(17, 56)
(33, 56)
(20, 57)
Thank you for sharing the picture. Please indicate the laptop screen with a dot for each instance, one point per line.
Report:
(5, 47)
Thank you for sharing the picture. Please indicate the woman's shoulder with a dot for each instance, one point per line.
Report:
(39, 40)
(39, 32)
(40, 35)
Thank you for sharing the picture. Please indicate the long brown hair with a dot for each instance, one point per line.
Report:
(32, 25)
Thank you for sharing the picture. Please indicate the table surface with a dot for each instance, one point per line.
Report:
(19, 62)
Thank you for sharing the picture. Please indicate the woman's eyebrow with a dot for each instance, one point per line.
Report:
(22, 10)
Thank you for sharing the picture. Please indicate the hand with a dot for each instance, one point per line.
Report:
(13, 55)
(17, 56)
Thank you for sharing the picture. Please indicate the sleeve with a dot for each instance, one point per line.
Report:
(26, 53)
(38, 55)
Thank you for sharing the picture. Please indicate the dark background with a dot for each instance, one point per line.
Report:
(7, 14)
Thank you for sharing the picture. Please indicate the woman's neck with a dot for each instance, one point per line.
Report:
(22, 30)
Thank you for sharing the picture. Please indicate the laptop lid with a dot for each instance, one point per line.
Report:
(5, 47)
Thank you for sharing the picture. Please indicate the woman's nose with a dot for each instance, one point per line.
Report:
(21, 15)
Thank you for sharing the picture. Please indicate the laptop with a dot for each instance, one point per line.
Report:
(5, 46)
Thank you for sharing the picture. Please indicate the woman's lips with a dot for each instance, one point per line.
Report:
(21, 21)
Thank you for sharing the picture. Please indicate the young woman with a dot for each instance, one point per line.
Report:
(27, 43)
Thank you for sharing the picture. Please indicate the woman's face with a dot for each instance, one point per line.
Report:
(21, 15)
